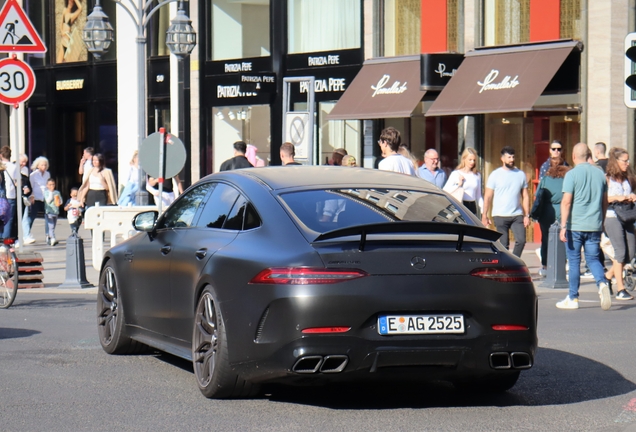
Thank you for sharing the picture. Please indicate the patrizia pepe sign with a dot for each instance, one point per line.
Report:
(490, 84)
(381, 87)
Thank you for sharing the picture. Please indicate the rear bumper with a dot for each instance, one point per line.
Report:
(342, 358)
(268, 345)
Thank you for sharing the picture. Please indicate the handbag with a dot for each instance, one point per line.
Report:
(625, 211)
(5, 208)
(537, 205)
(455, 190)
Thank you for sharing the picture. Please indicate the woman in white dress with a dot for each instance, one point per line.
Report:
(468, 178)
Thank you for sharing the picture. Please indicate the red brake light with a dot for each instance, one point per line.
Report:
(503, 274)
(8, 241)
(326, 330)
(508, 327)
(305, 276)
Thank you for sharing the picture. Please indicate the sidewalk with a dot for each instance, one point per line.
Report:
(533, 262)
(55, 258)
(55, 262)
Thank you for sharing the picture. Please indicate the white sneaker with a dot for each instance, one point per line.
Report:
(568, 303)
(29, 240)
(604, 294)
(587, 275)
(53, 241)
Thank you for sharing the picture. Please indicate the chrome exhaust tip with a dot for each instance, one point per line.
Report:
(307, 365)
(500, 360)
(521, 360)
(334, 363)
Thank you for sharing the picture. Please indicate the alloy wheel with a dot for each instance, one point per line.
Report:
(205, 340)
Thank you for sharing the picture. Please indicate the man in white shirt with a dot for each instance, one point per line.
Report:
(10, 174)
(507, 191)
(86, 163)
(389, 143)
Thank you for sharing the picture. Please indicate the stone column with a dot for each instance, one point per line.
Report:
(605, 114)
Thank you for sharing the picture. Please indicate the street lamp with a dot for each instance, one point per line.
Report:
(180, 38)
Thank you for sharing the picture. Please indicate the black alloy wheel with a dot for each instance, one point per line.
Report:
(210, 359)
(110, 316)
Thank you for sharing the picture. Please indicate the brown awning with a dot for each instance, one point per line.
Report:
(384, 88)
(500, 80)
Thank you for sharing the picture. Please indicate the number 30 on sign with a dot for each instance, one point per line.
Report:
(17, 81)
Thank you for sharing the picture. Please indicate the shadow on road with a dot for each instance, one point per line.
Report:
(16, 333)
(25, 302)
(558, 378)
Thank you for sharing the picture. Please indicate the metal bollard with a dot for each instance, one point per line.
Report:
(555, 277)
(75, 264)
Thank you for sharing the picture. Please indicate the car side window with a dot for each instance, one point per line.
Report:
(182, 212)
(217, 209)
(243, 216)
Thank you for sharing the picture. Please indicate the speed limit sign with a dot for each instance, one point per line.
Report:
(17, 81)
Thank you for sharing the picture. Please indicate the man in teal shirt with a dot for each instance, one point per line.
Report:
(582, 216)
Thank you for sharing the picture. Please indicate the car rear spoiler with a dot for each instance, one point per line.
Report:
(460, 230)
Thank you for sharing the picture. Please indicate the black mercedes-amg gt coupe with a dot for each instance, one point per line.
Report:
(304, 275)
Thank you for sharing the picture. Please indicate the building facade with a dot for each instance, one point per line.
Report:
(81, 102)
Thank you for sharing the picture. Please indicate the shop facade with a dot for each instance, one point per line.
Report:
(334, 41)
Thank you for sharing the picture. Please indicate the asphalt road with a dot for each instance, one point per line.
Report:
(55, 376)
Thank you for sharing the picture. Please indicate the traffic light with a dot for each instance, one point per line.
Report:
(630, 70)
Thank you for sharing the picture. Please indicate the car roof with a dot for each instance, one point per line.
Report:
(299, 176)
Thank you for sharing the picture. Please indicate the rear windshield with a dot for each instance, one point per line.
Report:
(326, 210)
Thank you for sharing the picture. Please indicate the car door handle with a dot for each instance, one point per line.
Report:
(201, 253)
(165, 250)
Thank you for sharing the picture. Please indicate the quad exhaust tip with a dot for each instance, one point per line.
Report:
(326, 364)
(521, 360)
(515, 360)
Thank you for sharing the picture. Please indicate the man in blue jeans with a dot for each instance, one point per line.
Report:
(582, 216)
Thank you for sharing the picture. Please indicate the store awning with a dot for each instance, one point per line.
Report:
(384, 88)
(508, 79)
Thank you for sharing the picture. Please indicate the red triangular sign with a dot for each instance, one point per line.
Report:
(17, 33)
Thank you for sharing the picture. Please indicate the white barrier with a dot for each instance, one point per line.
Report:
(114, 219)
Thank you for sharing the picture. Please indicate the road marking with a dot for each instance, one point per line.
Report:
(629, 413)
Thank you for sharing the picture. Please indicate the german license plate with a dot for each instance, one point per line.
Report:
(420, 324)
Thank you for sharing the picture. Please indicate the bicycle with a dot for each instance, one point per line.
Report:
(8, 273)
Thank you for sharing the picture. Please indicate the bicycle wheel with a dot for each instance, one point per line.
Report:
(8, 277)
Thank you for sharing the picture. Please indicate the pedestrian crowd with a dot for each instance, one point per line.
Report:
(592, 202)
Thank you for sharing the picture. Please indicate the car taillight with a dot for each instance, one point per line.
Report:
(503, 274)
(509, 327)
(305, 276)
(319, 330)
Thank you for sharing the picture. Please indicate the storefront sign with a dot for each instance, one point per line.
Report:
(238, 67)
(489, 84)
(258, 82)
(381, 87)
(325, 85)
(232, 91)
(231, 67)
(72, 84)
(438, 69)
(324, 59)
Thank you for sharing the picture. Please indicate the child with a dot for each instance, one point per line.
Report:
(52, 203)
(73, 211)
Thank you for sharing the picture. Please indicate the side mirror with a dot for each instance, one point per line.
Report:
(145, 221)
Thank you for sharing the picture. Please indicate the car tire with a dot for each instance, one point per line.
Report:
(495, 383)
(210, 358)
(110, 316)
